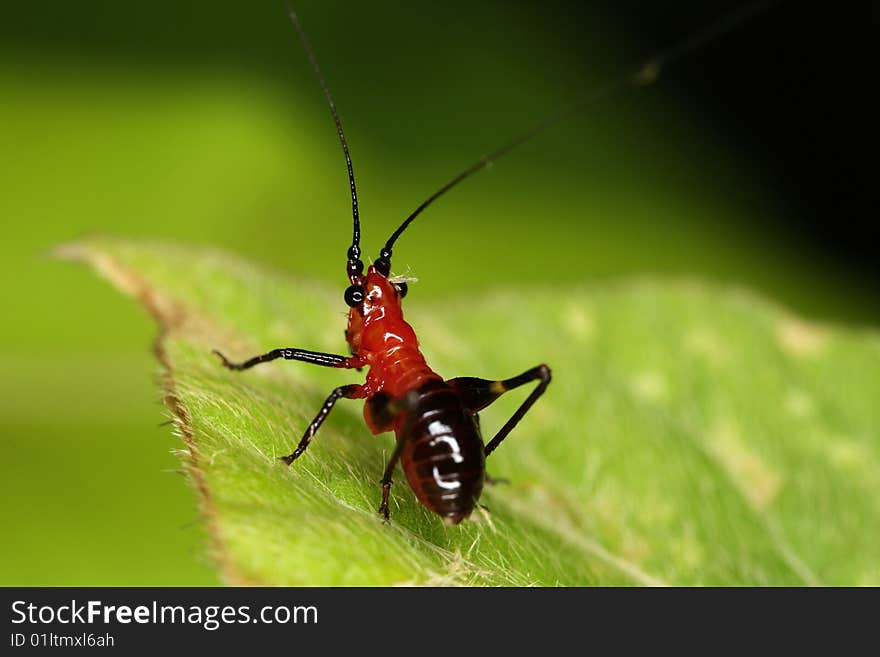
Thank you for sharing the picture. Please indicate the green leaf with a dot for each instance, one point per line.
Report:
(691, 435)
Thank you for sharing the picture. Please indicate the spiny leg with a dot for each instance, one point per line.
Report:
(352, 391)
(387, 481)
(384, 409)
(477, 394)
(313, 357)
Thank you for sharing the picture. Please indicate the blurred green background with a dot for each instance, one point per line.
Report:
(201, 122)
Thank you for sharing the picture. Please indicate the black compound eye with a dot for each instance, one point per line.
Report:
(402, 289)
(354, 295)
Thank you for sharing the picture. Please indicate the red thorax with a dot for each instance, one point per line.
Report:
(382, 340)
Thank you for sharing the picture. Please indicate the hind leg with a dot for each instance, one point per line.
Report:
(479, 393)
(487, 478)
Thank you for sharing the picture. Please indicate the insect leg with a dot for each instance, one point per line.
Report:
(386, 478)
(487, 478)
(389, 409)
(313, 357)
(352, 391)
(477, 394)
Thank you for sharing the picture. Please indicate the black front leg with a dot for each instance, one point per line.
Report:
(352, 391)
(313, 357)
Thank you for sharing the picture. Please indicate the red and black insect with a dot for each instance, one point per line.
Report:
(435, 420)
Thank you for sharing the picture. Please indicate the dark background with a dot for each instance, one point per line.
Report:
(801, 86)
(795, 82)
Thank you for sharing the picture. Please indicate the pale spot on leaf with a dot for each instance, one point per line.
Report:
(650, 387)
(706, 344)
(757, 481)
(798, 404)
(800, 338)
(688, 547)
(578, 322)
(847, 454)
(634, 547)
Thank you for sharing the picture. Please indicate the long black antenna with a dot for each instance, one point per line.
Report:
(645, 74)
(355, 266)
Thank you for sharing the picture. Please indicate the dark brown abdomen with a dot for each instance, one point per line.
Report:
(442, 453)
